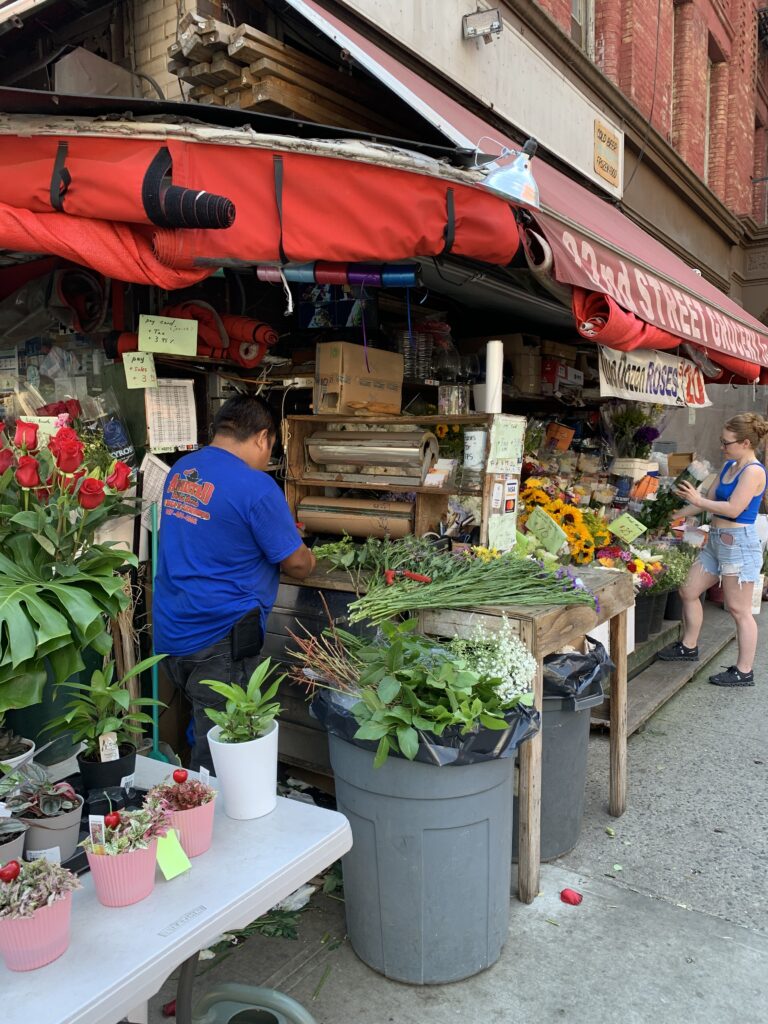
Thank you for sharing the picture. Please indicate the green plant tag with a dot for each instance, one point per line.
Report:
(549, 533)
(171, 857)
(626, 528)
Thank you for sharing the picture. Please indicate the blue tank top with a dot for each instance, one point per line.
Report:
(724, 492)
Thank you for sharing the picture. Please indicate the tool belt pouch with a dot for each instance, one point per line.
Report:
(247, 636)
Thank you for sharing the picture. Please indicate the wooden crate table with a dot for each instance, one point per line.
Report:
(545, 629)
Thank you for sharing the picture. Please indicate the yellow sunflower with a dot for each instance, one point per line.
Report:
(441, 430)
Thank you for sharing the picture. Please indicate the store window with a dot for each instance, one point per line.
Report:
(583, 24)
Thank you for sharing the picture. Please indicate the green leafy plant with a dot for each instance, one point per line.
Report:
(248, 713)
(103, 706)
(27, 792)
(58, 588)
(11, 828)
(37, 884)
(132, 830)
(11, 745)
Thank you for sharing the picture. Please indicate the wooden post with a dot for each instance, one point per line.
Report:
(529, 789)
(617, 803)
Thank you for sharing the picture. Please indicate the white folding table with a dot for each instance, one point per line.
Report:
(121, 957)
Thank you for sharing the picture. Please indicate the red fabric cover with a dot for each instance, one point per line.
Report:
(127, 342)
(114, 250)
(600, 319)
(247, 354)
(241, 328)
(14, 277)
(209, 324)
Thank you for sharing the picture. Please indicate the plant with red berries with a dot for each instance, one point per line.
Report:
(181, 794)
(26, 887)
(126, 831)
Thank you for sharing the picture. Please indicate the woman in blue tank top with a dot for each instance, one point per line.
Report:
(733, 552)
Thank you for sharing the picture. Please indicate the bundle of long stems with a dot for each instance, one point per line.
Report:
(500, 582)
(329, 657)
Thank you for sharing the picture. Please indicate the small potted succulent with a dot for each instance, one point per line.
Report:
(244, 744)
(190, 804)
(98, 709)
(13, 748)
(12, 833)
(123, 866)
(51, 810)
(35, 911)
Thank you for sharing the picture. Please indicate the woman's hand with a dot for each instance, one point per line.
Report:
(689, 494)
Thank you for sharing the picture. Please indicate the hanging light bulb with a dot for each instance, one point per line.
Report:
(515, 180)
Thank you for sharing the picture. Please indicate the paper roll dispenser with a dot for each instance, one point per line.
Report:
(376, 456)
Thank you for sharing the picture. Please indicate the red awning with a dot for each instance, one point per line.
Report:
(595, 246)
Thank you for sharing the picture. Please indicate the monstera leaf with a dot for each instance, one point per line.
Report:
(54, 618)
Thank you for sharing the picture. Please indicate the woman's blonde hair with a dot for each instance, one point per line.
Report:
(748, 426)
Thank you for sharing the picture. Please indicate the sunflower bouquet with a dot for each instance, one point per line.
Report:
(584, 529)
(450, 438)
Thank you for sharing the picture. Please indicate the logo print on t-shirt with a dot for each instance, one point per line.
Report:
(186, 493)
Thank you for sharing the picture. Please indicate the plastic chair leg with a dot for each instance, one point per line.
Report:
(251, 996)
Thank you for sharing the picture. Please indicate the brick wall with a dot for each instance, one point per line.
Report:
(691, 84)
(559, 11)
(154, 29)
(741, 107)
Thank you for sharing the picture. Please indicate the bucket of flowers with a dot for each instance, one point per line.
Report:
(190, 803)
(123, 866)
(35, 912)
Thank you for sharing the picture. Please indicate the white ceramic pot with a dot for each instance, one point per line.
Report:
(12, 762)
(247, 773)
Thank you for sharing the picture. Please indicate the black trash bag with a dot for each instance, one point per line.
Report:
(334, 711)
(577, 675)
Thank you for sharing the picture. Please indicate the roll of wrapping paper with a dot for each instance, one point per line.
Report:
(247, 354)
(242, 328)
(359, 517)
(394, 275)
(331, 273)
(270, 275)
(364, 274)
(494, 375)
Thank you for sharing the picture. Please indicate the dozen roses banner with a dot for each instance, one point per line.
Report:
(644, 375)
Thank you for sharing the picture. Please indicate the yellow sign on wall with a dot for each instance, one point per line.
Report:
(607, 153)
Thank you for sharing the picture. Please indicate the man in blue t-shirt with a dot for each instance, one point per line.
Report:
(226, 534)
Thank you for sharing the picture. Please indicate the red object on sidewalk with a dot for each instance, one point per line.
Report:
(571, 897)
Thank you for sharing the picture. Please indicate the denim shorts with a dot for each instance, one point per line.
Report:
(733, 552)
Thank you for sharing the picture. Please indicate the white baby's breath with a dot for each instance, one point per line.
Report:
(499, 655)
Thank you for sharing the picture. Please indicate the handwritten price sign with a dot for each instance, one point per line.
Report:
(167, 334)
(139, 370)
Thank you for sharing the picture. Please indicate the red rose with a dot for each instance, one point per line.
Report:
(91, 493)
(6, 458)
(64, 435)
(28, 473)
(69, 455)
(70, 483)
(120, 477)
(26, 436)
(632, 566)
(72, 406)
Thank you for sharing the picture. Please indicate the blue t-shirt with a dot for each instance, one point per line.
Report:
(224, 530)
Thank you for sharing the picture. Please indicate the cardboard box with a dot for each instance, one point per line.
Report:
(345, 384)
(526, 372)
(677, 462)
(555, 375)
(557, 350)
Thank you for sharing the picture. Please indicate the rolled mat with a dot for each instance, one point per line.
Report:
(247, 354)
(211, 331)
(601, 319)
(242, 328)
(191, 208)
(330, 273)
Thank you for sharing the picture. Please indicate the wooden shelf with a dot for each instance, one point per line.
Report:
(309, 481)
(478, 417)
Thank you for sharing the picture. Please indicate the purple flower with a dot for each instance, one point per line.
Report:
(646, 435)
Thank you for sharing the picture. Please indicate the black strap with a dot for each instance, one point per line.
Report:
(152, 187)
(278, 166)
(449, 231)
(61, 179)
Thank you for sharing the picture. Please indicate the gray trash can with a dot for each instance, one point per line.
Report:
(426, 883)
(565, 738)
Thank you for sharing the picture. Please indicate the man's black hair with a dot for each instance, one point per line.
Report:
(243, 416)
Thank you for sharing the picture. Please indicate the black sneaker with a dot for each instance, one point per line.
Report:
(732, 677)
(678, 652)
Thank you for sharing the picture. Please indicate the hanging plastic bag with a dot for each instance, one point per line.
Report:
(575, 675)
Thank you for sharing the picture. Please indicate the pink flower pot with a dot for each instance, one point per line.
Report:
(125, 878)
(30, 942)
(195, 828)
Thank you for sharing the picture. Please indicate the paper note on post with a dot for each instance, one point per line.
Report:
(139, 370)
(167, 334)
(626, 528)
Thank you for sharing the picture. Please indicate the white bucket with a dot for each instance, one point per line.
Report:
(247, 773)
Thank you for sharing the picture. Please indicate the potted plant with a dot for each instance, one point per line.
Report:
(35, 911)
(421, 736)
(123, 866)
(98, 709)
(12, 832)
(190, 804)
(58, 589)
(51, 810)
(13, 748)
(244, 744)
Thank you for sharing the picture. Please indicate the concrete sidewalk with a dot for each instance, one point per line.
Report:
(674, 924)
